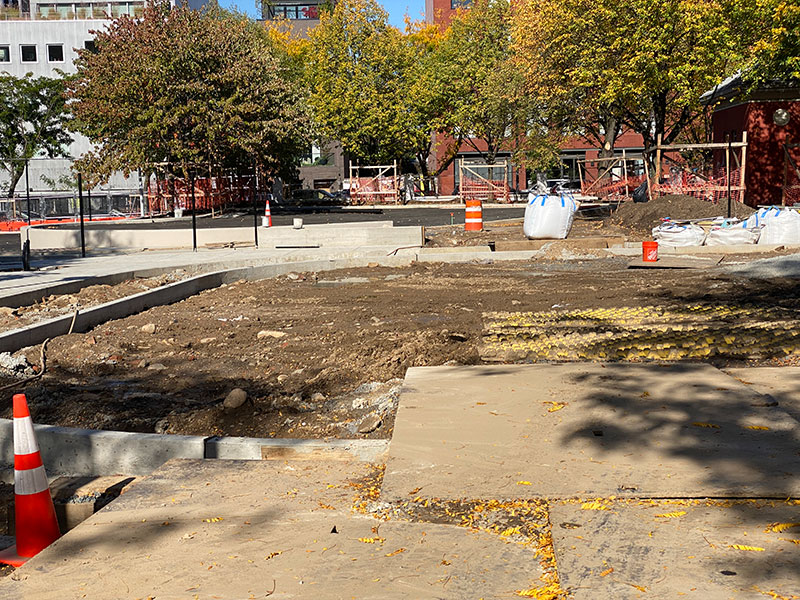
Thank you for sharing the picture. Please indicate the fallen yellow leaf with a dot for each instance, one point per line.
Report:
(780, 527)
(672, 515)
(593, 506)
(757, 427)
(372, 540)
(706, 425)
(608, 571)
(748, 548)
(396, 552)
(523, 483)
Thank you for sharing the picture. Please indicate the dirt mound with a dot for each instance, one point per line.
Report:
(642, 217)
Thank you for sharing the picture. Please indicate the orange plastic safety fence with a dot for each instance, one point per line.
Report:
(373, 190)
(495, 190)
(713, 188)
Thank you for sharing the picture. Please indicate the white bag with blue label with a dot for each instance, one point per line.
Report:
(673, 234)
(549, 217)
(734, 234)
(781, 228)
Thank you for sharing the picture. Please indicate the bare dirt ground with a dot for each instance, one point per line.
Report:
(58, 305)
(322, 354)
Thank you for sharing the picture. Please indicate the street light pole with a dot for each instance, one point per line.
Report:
(80, 208)
(28, 192)
(255, 203)
(194, 215)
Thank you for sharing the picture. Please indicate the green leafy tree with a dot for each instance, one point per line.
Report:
(356, 74)
(32, 119)
(487, 104)
(641, 64)
(776, 55)
(179, 88)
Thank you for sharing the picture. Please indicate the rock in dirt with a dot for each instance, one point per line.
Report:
(143, 364)
(370, 424)
(207, 340)
(149, 328)
(317, 397)
(156, 367)
(235, 398)
(265, 333)
(282, 378)
(162, 426)
(16, 366)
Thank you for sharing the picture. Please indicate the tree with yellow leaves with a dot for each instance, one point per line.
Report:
(642, 64)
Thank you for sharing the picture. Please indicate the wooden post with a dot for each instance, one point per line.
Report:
(728, 169)
(742, 167)
(647, 177)
(625, 171)
(580, 171)
(785, 173)
(658, 158)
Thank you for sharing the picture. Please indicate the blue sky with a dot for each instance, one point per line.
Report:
(396, 8)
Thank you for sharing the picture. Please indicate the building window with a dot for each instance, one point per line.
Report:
(90, 45)
(28, 53)
(296, 12)
(454, 4)
(55, 53)
(5, 54)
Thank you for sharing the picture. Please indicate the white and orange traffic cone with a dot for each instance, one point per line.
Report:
(35, 516)
(266, 220)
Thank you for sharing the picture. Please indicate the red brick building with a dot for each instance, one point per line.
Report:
(770, 114)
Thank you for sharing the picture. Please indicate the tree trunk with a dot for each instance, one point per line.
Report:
(15, 174)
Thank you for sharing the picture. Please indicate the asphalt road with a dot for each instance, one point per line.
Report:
(428, 217)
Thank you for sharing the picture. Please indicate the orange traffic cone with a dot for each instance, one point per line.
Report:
(34, 513)
(267, 220)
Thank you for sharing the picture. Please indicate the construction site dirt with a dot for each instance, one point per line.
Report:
(323, 354)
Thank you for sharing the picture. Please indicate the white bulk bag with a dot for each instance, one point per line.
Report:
(733, 235)
(548, 217)
(672, 234)
(762, 216)
(782, 228)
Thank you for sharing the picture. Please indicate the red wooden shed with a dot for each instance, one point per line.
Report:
(770, 114)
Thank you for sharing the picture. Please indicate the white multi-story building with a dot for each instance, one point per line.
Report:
(43, 37)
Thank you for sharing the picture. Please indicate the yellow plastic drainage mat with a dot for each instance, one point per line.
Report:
(641, 333)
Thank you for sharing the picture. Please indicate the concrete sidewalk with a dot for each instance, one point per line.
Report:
(238, 529)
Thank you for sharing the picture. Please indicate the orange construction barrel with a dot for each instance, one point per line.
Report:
(473, 217)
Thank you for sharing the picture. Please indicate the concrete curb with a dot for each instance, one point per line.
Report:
(75, 452)
(11, 341)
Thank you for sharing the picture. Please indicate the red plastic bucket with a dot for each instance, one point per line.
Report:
(649, 251)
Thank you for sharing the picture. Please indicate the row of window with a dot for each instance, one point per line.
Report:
(295, 12)
(29, 53)
(99, 10)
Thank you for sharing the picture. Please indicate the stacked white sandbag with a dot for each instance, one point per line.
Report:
(731, 233)
(675, 234)
(781, 227)
(549, 217)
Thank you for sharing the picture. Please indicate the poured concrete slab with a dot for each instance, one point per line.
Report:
(232, 529)
(518, 431)
(781, 383)
(628, 551)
